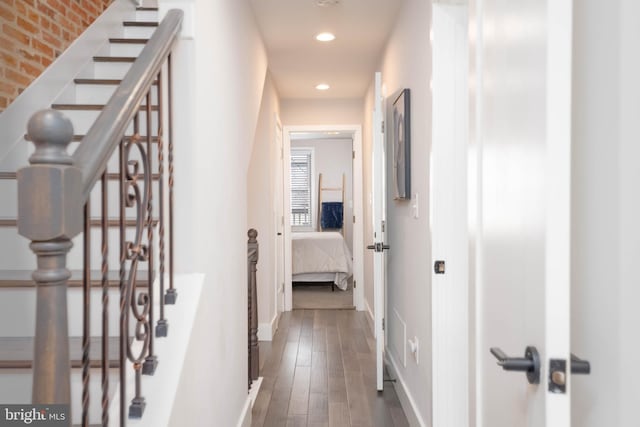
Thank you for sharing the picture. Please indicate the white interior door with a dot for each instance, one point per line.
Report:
(379, 199)
(523, 143)
(279, 218)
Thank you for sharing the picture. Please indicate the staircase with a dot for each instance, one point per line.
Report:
(121, 262)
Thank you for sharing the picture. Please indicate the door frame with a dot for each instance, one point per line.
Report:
(449, 214)
(279, 219)
(358, 226)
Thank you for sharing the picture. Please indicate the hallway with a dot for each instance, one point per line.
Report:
(319, 370)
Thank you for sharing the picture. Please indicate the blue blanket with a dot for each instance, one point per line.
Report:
(331, 215)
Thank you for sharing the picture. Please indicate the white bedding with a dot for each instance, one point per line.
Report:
(321, 252)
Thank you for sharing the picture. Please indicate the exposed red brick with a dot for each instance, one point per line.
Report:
(27, 26)
(33, 33)
(6, 13)
(42, 48)
(17, 77)
(31, 69)
(15, 34)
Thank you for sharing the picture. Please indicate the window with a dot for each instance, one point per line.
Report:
(301, 179)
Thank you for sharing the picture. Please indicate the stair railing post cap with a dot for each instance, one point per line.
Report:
(51, 132)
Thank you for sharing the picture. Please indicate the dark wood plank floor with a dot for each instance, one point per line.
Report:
(319, 370)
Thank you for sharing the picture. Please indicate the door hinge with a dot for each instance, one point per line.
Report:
(354, 284)
(353, 154)
(354, 219)
(383, 323)
(383, 226)
(382, 126)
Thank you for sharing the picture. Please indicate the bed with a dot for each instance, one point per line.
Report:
(321, 257)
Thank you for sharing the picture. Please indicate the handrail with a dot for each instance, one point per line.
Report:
(105, 135)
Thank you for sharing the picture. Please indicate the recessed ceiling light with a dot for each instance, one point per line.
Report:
(325, 37)
(322, 86)
(324, 3)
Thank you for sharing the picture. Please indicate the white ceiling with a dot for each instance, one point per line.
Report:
(298, 62)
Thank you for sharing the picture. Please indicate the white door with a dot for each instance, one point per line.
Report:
(379, 200)
(279, 218)
(522, 139)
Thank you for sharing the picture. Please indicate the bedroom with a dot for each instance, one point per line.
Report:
(321, 202)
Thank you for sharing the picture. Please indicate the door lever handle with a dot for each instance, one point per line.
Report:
(378, 247)
(579, 366)
(530, 363)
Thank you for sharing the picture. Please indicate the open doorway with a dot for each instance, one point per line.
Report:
(323, 211)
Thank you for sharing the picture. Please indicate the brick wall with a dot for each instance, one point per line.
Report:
(33, 33)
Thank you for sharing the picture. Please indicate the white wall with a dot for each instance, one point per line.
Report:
(220, 75)
(406, 63)
(332, 158)
(260, 202)
(321, 111)
(606, 208)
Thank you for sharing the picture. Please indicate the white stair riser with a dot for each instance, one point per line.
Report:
(82, 120)
(110, 70)
(17, 385)
(100, 94)
(146, 15)
(18, 307)
(15, 253)
(138, 32)
(125, 49)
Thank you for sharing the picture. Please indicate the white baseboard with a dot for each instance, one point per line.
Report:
(253, 391)
(245, 415)
(267, 330)
(406, 400)
(370, 317)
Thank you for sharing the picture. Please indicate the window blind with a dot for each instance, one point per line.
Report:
(301, 187)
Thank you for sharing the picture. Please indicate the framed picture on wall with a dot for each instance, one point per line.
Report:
(401, 143)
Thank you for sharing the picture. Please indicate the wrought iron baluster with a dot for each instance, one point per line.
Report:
(151, 361)
(105, 298)
(172, 295)
(123, 290)
(86, 313)
(136, 252)
(162, 328)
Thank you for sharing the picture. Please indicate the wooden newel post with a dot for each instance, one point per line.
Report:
(252, 257)
(50, 215)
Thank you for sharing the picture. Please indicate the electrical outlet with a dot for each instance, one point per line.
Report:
(414, 349)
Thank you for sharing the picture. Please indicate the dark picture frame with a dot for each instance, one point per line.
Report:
(401, 144)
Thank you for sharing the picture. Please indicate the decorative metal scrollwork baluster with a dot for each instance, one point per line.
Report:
(172, 295)
(136, 303)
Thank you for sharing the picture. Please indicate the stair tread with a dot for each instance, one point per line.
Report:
(106, 82)
(125, 40)
(112, 176)
(95, 222)
(22, 278)
(17, 352)
(91, 107)
(114, 58)
(146, 9)
(140, 23)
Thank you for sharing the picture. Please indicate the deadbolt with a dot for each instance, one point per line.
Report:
(439, 267)
(559, 378)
